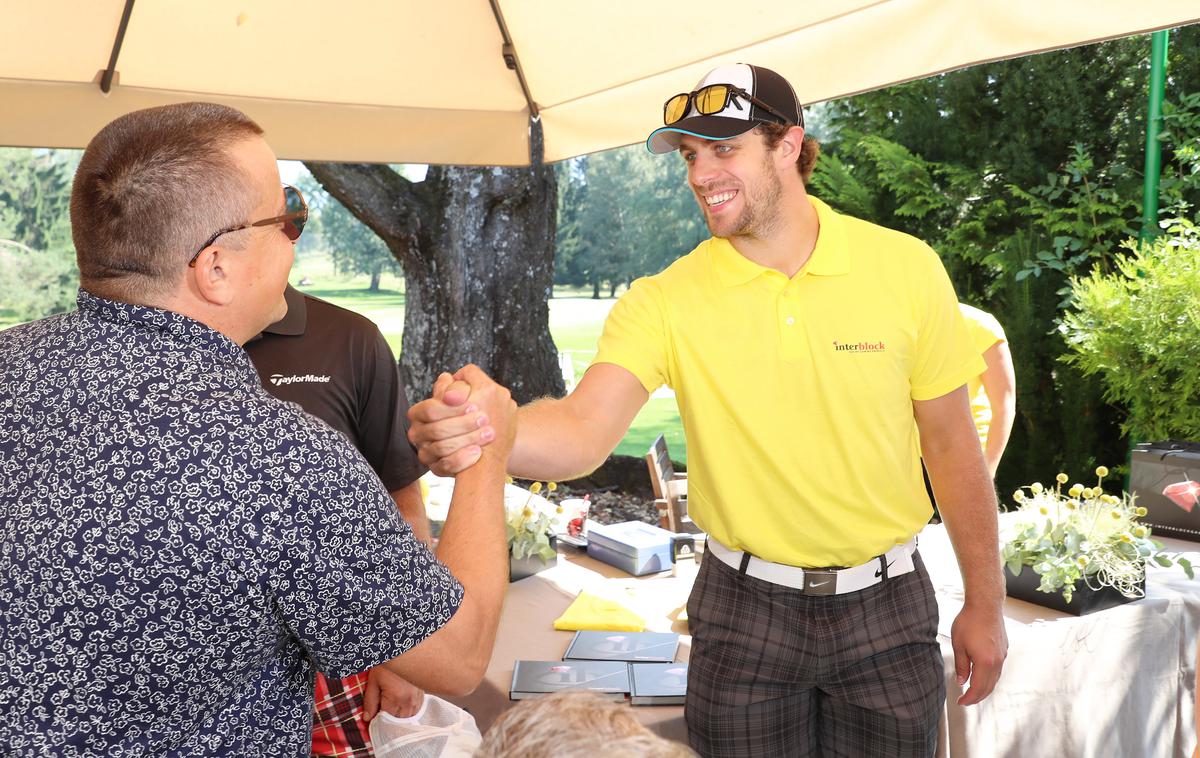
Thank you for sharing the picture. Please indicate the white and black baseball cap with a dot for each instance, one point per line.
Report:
(771, 100)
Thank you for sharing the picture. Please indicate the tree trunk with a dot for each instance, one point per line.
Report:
(375, 275)
(477, 249)
(595, 289)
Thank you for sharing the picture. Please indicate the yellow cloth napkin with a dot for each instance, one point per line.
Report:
(595, 613)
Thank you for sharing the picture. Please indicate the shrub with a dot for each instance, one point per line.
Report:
(1137, 328)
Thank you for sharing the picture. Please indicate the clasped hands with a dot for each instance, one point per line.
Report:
(467, 417)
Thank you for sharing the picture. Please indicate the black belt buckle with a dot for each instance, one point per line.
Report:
(820, 581)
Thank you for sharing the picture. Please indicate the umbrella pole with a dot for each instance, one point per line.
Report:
(1158, 80)
(1153, 168)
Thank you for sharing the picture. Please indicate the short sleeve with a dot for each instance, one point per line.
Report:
(983, 327)
(945, 358)
(347, 577)
(383, 417)
(635, 335)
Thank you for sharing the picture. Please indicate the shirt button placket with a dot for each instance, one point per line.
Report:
(791, 332)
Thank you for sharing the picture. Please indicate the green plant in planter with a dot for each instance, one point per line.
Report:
(530, 526)
(1136, 328)
(1083, 535)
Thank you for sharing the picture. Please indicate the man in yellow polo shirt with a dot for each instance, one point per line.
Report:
(801, 345)
(993, 393)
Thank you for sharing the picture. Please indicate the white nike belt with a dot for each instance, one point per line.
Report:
(820, 581)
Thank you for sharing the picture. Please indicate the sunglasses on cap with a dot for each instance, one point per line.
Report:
(293, 220)
(710, 101)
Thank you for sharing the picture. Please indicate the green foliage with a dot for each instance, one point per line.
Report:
(38, 275)
(1136, 329)
(1080, 211)
(355, 249)
(622, 214)
(837, 181)
(1180, 184)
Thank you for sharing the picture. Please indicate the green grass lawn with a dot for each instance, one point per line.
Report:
(575, 323)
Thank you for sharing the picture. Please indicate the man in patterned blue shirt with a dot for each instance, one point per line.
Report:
(179, 551)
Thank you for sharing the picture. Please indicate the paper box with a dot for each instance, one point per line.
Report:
(1161, 475)
(633, 546)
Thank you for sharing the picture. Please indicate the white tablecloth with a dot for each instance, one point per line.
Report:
(1114, 684)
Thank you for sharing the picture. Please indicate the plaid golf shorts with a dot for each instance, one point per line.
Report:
(775, 672)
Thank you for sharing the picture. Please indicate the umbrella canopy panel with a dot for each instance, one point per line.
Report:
(421, 82)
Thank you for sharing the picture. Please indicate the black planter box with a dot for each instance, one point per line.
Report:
(1085, 600)
(531, 564)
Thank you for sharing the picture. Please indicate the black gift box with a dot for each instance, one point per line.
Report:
(1085, 600)
(1154, 466)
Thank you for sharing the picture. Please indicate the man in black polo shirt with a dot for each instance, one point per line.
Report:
(336, 365)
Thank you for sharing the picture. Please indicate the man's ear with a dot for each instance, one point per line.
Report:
(213, 275)
(790, 146)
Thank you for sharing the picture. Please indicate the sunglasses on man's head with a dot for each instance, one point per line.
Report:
(293, 220)
(711, 100)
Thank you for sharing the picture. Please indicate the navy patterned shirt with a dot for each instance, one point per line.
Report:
(179, 551)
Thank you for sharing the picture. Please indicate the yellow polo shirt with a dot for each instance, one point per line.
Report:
(984, 331)
(796, 394)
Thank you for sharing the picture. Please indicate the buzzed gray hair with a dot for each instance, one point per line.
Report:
(151, 187)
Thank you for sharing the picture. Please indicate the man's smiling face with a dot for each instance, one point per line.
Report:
(735, 183)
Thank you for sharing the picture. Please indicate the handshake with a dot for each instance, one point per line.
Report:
(468, 417)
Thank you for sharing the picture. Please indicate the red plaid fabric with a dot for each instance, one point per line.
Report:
(339, 729)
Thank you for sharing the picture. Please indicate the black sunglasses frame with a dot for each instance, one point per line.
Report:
(731, 92)
(297, 219)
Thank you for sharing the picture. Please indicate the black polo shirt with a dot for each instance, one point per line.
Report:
(337, 366)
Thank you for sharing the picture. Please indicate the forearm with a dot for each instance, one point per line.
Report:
(1000, 385)
(1000, 429)
(564, 439)
(555, 444)
(411, 505)
(967, 501)
(473, 545)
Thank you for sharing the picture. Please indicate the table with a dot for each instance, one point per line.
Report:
(1115, 683)
(1120, 682)
(527, 627)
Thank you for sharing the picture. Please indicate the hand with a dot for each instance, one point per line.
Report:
(980, 646)
(448, 431)
(497, 405)
(389, 692)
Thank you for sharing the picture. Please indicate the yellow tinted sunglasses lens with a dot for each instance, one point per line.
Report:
(711, 99)
(675, 109)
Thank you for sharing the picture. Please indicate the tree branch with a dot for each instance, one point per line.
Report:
(390, 205)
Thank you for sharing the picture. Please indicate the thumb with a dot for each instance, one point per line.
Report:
(456, 393)
(443, 381)
(370, 700)
(962, 664)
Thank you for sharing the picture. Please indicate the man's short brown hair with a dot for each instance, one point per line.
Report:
(151, 187)
(773, 133)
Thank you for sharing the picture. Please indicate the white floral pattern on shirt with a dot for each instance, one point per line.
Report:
(179, 551)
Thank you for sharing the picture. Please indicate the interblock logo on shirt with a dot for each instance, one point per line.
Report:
(859, 347)
(280, 379)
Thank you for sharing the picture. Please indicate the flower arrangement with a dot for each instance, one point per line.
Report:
(1082, 534)
(530, 525)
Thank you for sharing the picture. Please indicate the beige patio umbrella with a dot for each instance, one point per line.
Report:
(428, 81)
